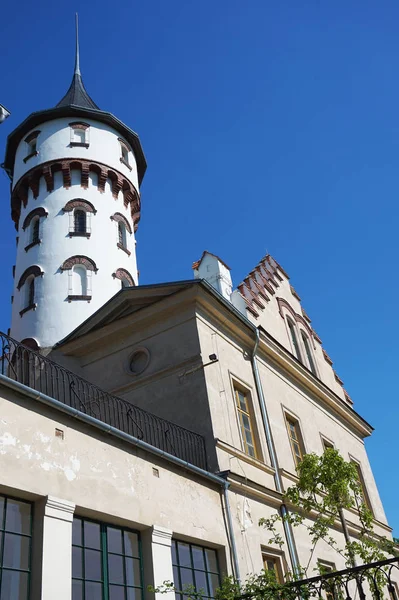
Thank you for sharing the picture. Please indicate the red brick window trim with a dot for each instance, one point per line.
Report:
(37, 212)
(87, 262)
(33, 270)
(124, 275)
(121, 219)
(79, 203)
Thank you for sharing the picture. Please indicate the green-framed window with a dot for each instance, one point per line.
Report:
(106, 562)
(196, 566)
(15, 548)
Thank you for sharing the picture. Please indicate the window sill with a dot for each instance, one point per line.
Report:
(30, 156)
(25, 310)
(124, 162)
(29, 246)
(72, 298)
(123, 248)
(86, 234)
(79, 145)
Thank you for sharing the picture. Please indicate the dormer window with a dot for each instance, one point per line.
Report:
(125, 151)
(79, 134)
(31, 143)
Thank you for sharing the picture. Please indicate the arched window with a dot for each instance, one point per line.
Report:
(308, 351)
(79, 134)
(35, 230)
(79, 221)
(29, 292)
(125, 278)
(80, 270)
(79, 280)
(122, 234)
(294, 339)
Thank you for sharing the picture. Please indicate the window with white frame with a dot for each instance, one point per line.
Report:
(31, 145)
(125, 153)
(79, 134)
(79, 282)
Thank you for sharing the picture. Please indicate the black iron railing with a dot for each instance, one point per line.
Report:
(42, 374)
(373, 581)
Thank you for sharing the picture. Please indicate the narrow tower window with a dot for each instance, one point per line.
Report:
(295, 437)
(79, 281)
(35, 231)
(29, 292)
(294, 339)
(122, 234)
(31, 143)
(80, 221)
(79, 134)
(125, 150)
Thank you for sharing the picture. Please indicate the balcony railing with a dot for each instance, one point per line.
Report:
(43, 375)
(373, 581)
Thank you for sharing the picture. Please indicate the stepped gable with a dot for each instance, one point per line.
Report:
(261, 286)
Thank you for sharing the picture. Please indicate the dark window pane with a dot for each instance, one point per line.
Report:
(174, 553)
(77, 567)
(133, 594)
(186, 578)
(16, 551)
(93, 591)
(1, 512)
(115, 568)
(200, 582)
(211, 561)
(131, 544)
(77, 532)
(214, 583)
(198, 558)
(176, 578)
(184, 554)
(133, 576)
(18, 517)
(93, 565)
(92, 535)
(77, 590)
(114, 539)
(14, 585)
(116, 592)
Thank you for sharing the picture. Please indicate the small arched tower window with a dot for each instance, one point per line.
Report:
(308, 351)
(35, 231)
(29, 292)
(125, 151)
(27, 287)
(79, 280)
(31, 145)
(294, 339)
(79, 221)
(79, 134)
(125, 278)
(122, 234)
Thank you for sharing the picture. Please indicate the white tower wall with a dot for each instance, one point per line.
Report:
(54, 315)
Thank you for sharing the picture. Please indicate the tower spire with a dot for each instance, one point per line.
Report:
(76, 94)
(77, 65)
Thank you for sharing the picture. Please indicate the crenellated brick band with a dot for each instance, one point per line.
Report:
(31, 181)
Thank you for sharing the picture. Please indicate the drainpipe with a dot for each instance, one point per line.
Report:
(113, 431)
(274, 461)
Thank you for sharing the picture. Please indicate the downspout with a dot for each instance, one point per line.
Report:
(113, 431)
(273, 459)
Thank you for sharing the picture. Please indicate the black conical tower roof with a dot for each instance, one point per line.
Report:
(76, 94)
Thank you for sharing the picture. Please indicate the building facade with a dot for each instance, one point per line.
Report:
(145, 430)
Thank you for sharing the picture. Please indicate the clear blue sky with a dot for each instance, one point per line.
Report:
(267, 126)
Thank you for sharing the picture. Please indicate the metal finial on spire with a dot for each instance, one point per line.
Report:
(77, 66)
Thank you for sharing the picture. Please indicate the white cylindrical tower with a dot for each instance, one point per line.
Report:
(76, 172)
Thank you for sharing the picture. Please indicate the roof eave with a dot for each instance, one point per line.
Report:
(42, 116)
